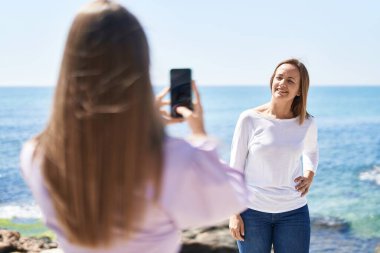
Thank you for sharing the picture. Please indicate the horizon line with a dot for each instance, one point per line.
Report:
(202, 85)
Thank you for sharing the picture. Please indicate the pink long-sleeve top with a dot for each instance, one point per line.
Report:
(198, 190)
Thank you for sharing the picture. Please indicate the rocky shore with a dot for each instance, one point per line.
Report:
(328, 235)
(214, 239)
(11, 241)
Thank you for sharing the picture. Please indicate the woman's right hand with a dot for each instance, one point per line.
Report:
(194, 118)
(160, 102)
(237, 227)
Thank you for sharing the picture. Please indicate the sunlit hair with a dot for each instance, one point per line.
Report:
(299, 103)
(102, 148)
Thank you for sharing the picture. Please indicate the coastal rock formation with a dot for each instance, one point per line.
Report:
(215, 239)
(329, 234)
(11, 241)
(330, 223)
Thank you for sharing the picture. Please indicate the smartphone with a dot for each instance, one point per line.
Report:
(180, 90)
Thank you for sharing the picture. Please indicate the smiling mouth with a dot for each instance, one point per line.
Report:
(281, 91)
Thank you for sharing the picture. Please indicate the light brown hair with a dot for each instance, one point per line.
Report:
(299, 103)
(102, 148)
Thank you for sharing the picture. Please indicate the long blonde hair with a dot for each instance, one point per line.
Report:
(299, 103)
(102, 148)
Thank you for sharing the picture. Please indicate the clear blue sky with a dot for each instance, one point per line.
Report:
(224, 42)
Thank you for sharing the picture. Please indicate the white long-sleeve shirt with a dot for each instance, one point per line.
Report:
(197, 190)
(272, 153)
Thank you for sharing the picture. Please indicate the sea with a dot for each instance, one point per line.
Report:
(344, 200)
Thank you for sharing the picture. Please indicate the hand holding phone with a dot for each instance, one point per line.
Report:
(195, 117)
(181, 104)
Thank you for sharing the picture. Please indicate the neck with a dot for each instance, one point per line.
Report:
(280, 110)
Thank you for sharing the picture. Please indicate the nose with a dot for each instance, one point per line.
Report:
(282, 83)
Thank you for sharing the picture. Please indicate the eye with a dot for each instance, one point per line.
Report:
(290, 81)
(278, 78)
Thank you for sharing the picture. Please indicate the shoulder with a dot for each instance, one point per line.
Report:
(261, 108)
(188, 148)
(310, 125)
(29, 145)
(255, 112)
(250, 116)
(27, 153)
(311, 121)
(28, 160)
(190, 156)
(177, 146)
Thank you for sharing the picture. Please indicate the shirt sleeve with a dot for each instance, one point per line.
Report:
(310, 156)
(206, 192)
(239, 147)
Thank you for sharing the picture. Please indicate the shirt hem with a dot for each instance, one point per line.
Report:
(257, 208)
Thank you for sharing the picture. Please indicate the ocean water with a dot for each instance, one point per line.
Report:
(344, 200)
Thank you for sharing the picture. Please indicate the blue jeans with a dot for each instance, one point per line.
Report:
(289, 232)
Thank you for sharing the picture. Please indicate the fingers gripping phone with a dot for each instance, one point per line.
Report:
(180, 90)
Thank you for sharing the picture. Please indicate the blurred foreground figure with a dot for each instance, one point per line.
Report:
(103, 171)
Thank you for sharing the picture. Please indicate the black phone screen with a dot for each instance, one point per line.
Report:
(180, 90)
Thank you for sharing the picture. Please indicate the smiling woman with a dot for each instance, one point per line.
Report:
(275, 146)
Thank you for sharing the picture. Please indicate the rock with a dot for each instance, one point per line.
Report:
(52, 251)
(203, 248)
(10, 241)
(331, 223)
(9, 236)
(215, 239)
(5, 247)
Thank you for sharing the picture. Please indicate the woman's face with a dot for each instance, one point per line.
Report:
(286, 82)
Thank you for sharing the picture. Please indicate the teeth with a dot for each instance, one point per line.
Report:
(282, 92)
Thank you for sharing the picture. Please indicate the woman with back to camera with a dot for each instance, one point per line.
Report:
(104, 173)
(275, 146)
